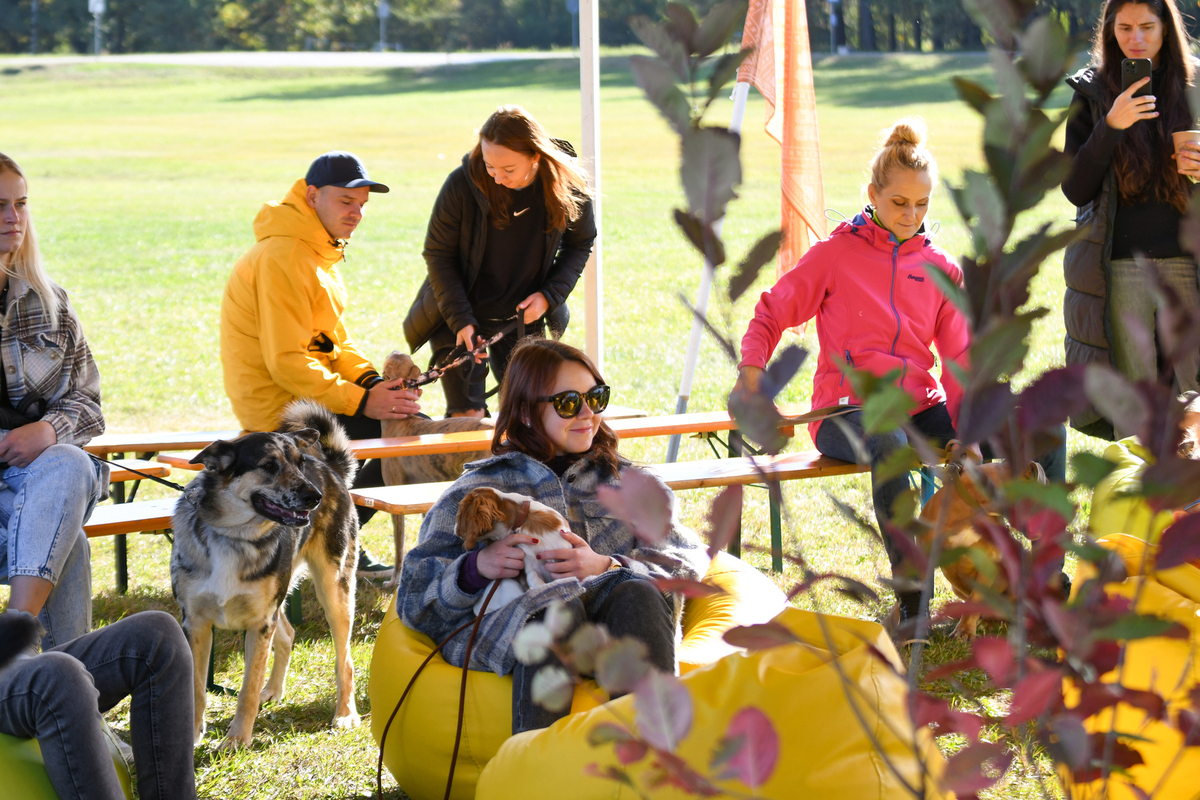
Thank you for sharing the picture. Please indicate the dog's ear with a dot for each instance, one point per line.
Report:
(305, 437)
(399, 365)
(478, 513)
(1035, 471)
(218, 456)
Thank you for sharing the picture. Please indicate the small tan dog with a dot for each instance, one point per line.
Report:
(488, 515)
(963, 500)
(403, 470)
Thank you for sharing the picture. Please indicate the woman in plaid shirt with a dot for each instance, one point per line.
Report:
(48, 485)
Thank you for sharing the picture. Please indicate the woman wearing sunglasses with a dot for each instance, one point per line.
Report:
(551, 444)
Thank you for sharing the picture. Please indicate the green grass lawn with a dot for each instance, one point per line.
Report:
(144, 182)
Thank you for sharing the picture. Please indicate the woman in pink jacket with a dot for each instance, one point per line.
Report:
(876, 309)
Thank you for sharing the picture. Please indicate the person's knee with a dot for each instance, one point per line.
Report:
(162, 635)
(70, 466)
(637, 594)
(62, 685)
(882, 445)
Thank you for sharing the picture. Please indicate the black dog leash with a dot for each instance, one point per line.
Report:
(139, 473)
(515, 323)
(462, 689)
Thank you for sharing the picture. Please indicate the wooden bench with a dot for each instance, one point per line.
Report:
(418, 498)
(121, 469)
(142, 516)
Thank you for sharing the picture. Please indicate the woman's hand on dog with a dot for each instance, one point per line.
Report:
(24, 444)
(502, 558)
(581, 561)
(390, 400)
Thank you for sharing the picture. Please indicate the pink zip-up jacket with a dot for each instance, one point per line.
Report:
(877, 309)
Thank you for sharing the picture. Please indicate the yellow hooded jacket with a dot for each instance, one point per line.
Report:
(281, 320)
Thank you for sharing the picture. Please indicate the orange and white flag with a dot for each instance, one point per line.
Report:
(781, 69)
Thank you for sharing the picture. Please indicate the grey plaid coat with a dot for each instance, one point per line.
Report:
(431, 602)
(55, 364)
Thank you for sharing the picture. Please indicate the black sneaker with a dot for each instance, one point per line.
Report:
(369, 567)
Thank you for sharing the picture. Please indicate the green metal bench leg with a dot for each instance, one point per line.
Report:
(295, 614)
(735, 450)
(773, 490)
(120, 543)
(211, 685)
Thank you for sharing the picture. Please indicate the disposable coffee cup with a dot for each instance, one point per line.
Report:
(1184, 136)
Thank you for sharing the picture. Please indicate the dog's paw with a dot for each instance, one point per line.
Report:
(199, 734)
(270, 693)
(351, 720)
(234, 742)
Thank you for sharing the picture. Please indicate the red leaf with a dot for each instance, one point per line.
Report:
(966, 608)
(1094, 698)
(1033, 694)
(760, 637)
(1072, 739)
(1005, 542)
(1189, 725)
(953, 668)
(754, 760)
(1180, 543)
(995, 656)
(687, 588)
(964, 770)
(642, 502)
(631, 751)
(908, 547)
(935, 711)
(1037, 522)
(725, 518)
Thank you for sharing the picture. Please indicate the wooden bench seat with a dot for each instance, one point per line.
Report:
(120, 469)
(138, 517)
(109, 443)
(418, 498)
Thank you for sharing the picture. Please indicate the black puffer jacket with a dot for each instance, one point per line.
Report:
(1087, 264)
(454, 247)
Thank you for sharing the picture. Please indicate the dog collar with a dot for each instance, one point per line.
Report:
(522, 517)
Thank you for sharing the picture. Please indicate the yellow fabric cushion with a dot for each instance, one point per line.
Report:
(23, 773)
(421, 738)
(1170, 667)
(1112, 513)
(824, 754)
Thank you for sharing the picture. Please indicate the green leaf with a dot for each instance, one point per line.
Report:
(1136, 626)
(1053, 496)
(953, 292)
(702, 237)
(1115, 397)
(999, 349)
(973, 94)
(552, 688)
(1091, 469)
(606, 733)
(758, 419)
(658, 38)
(1046, 54)
(711, 170)
(760, 255)
(658, 84)
(1011, 86)
(998, 17)
(716, 30)
(887, 409)
(985, 206)
(900, 461)
(724, 71)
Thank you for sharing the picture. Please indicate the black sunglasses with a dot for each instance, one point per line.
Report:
(568, 404)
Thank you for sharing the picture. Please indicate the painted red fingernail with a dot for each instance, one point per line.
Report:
(539, 556)
(535, 541)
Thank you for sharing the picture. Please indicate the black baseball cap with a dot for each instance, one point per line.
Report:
(339, 168)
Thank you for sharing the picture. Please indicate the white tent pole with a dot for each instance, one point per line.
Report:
(589, 93)
(740, 92)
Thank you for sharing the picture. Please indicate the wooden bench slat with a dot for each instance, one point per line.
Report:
(180, 460)
(119, 472)
(155, 442)
(144, 515)
(418, 498)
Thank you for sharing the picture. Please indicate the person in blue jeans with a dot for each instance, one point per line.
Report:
(50, 404)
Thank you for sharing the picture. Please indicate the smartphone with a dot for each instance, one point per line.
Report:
(1132, 71)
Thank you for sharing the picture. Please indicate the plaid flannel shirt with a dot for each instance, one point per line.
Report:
(53, 364)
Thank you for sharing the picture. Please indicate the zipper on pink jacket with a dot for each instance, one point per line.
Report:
(895, 313)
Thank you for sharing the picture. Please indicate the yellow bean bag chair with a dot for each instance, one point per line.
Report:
(824, 753)
(1170, 667)
(1112, 513)
(23, 773)
(421, 738)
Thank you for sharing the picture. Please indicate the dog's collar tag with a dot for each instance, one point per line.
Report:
(522, 517)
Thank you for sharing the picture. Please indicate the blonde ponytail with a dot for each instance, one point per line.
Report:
(903, 146)
(26, 263)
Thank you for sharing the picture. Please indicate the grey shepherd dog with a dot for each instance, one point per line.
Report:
(265, 506)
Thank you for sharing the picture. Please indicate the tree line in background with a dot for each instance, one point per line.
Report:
(182, 25)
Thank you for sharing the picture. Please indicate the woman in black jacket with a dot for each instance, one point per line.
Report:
(509, 234)
(1131, 192)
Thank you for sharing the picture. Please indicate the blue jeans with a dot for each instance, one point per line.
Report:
(42, 511)
(57, 697)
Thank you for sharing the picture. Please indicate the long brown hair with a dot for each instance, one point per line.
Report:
(27, 261)
(1141, 176)
(532, 370)
(565, 186)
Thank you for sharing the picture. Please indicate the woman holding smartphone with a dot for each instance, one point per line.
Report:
(1130, 189)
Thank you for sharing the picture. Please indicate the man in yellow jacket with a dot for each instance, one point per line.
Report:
(282, 335)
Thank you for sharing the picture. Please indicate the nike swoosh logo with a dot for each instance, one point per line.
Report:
(519, 213)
